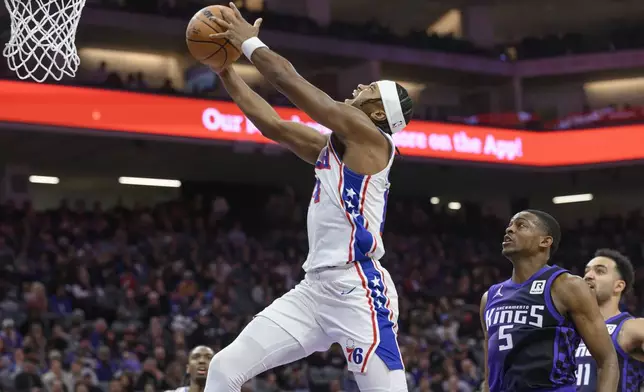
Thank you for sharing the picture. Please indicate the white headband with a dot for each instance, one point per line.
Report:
(391, 102)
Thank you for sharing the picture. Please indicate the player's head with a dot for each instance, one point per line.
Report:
(198, 361)
(386, 103)
(530, 233)
(609, 274)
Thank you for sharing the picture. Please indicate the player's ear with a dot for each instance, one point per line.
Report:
(378, 116)
(546, 242)
(620, 285)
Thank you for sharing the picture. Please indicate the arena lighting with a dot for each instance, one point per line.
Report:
(572, 198)
(160, 182)
(44, 180)
(454, 205)
(434, 200)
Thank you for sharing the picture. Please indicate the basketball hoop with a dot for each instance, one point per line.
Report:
(42, 38)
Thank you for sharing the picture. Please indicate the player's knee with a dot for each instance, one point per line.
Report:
(225, 372)
(379, 378)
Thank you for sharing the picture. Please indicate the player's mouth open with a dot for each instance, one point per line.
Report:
(202, 370)
(506, 240)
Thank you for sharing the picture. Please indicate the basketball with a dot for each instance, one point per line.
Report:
(217, 53)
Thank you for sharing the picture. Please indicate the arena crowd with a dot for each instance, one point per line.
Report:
(95, 299)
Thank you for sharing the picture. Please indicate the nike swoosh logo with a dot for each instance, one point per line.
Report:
(347, 292)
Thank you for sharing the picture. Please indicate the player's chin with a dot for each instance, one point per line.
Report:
(508, 250)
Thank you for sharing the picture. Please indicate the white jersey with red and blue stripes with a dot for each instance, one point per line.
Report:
(346, 215)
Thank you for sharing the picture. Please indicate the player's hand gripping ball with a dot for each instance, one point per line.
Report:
(217, 53)
(236, 28)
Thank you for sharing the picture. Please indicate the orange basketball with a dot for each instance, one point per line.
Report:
(217, 53)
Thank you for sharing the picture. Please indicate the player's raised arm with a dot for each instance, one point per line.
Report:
(304, 141)
(346, 121)
(577, 301)
(485, 387)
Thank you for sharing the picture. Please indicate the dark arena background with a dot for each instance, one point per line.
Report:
(142, 214)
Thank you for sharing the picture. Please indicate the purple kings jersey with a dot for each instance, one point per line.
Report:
(631, 375)
(530, 345)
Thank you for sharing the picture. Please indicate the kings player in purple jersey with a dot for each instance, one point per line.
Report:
(610, 275)
(533, 322)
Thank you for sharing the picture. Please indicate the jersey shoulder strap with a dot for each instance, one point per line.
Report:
(551, 272)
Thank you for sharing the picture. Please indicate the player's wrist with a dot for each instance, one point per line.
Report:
(250, 45)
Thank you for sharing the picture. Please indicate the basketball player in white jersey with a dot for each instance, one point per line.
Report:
(346, 297)
(197, 369)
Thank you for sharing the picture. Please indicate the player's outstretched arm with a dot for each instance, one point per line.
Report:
(631, 338)
(485, 387)
(346, 121)
(576, 300)
(304, 141)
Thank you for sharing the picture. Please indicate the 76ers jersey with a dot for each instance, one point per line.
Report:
(347, 212)
(631, 370)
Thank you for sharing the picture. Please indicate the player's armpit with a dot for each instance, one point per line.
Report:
(576, 301)
(346, 121)
(303, 141)
(485, 386)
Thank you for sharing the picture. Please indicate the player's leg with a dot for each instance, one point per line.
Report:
(378, 378)
(262, 345)
(360, 312)
(284, 332)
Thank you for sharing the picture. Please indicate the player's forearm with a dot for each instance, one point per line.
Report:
(275, 68)
(608, 374)
(258, 111)
(314, 102)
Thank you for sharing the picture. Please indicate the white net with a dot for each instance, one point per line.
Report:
(42, 38)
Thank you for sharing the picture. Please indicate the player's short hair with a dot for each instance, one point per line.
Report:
(197, 348)
(550, 226)
(623, 265)
(406, 104)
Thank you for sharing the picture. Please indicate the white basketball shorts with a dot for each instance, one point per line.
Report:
(355, 306)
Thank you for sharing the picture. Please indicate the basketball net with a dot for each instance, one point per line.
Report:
(42, 38)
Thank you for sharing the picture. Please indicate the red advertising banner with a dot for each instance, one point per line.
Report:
(117, 111)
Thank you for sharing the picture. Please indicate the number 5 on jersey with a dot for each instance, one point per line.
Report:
(505, 337)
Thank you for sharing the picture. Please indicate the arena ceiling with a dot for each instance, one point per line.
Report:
(512, 20)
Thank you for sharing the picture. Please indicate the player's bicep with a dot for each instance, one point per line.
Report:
(631, 337)
(303, 141)
(581, 306)
(638, 336)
